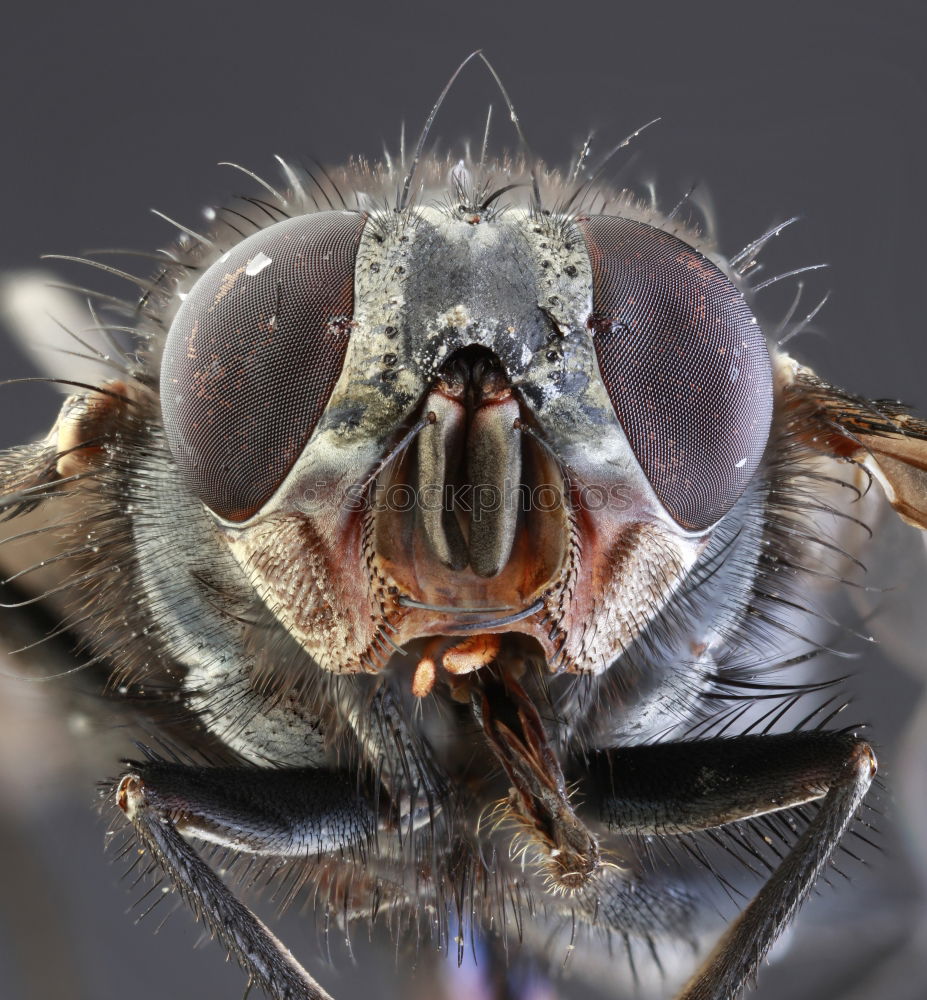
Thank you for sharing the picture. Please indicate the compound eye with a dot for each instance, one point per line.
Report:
(253, 355)
(684, 363)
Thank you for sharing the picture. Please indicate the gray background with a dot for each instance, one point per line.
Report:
(776, 109)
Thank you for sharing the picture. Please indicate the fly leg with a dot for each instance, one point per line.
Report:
(679, 788)
(294, 812)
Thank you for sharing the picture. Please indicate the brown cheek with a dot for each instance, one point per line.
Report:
(317, 589)
(627, 573)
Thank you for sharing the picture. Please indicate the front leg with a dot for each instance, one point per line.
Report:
(294, 812)
(679, 788)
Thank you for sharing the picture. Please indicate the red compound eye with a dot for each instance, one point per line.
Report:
(684, 363)
(253, 355)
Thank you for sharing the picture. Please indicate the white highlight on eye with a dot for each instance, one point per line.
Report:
(257, 264)
(740, 464)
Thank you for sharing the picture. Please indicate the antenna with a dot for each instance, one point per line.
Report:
(402, 199)
(525, 148)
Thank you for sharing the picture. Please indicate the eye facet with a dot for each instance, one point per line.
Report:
(253, 355)
(684, 363)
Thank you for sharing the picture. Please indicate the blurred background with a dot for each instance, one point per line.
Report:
(774, 110)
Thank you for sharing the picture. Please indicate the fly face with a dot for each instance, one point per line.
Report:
(445, 522)
(518, 364)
